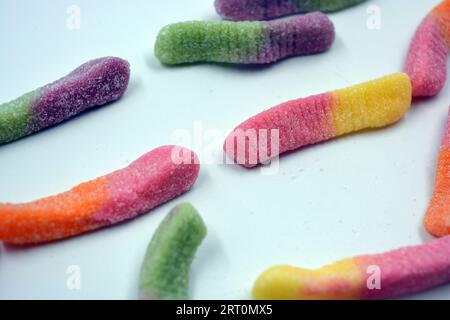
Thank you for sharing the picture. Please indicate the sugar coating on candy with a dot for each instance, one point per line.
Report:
(372, 104)
(54, 217)
(269, 9)
(16, 117)
(195, 41)
(341, 280)
(403, 271)
(427, 60)
(94, 83)
(408, 270)
(299, 122)
(151, 180)
(244, 42)
(318, 118)
(426, 63)
(308, 34)
(437, 219)
(165, 270)
(124, 194)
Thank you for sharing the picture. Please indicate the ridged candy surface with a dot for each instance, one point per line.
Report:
(426, 63)
(244, 42)
(151, 180)
(270, 9)
(92, 84)
(306, 121)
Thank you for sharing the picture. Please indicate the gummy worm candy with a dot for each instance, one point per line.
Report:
(380, 276)
(94, 83)
(146, 183)
(269, 9)
(426, 63)
(244, 42)
(165, 271)
(302, 122)
(437, 219)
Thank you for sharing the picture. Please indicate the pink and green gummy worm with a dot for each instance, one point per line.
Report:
(244, 42)
(155, 178)
(396, 273)
(426, 63)
(92, 84)
(165, 270)
(270, 9)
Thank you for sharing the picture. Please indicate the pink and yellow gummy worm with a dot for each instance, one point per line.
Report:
(306, 121)
(403, 271)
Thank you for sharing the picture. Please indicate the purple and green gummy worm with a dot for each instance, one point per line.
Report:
(92, 84)
(270, 9)
(165, 270)
(244, 42)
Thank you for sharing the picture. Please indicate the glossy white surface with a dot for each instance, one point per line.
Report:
(364, 193)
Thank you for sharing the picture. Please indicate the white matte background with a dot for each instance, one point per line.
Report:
(363, 193)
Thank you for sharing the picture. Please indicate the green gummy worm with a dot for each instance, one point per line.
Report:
(165, 270)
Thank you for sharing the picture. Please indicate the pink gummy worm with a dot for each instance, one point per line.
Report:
(409, 269)
(426, 63)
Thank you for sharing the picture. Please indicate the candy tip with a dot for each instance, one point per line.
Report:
(278, 283)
